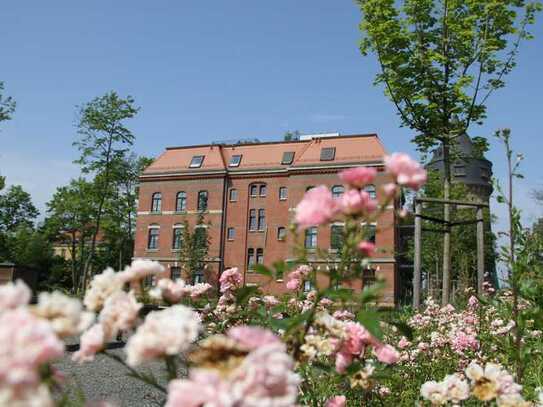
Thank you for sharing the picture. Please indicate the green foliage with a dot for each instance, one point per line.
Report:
(103, 134)
(16, 209)
(194, 246)
(441, 60)
(7, 105)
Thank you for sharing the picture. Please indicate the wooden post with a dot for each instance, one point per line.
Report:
(480, 251)
(417, 265)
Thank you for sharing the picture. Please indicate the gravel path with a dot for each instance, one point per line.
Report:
(106, 379)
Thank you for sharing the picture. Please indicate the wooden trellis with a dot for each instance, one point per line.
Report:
(418, 239)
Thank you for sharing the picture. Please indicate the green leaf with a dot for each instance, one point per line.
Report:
(370, 320)
(263, 270)
(244, 293)
(404, 329)
(344, 294)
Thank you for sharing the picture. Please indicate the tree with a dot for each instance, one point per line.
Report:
(440, 60)
(104, 139)
(70, 220)
(16, 209)
(120, 211)
(194, 247)
(7, 105)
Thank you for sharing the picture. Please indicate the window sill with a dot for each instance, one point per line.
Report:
(155, 212)
(230, 240)
(256, 231)
(176, 250)
(151, 250)
(183, 212)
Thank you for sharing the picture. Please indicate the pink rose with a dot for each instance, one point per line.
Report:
(406, 171)
(343, 361)
(252, 337)
(337, 401)
(354, 202)
(230, 279)
(294, 284)
(316, 208)
(386, 354)
(91, 342)
(366, 248)
(358, 177)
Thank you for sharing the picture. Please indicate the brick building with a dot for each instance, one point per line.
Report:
(248, 193)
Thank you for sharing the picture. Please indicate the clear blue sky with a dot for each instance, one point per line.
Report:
(204, 71)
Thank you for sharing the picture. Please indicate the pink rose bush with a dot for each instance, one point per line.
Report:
(318, 344)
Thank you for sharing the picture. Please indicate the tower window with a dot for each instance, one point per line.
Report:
(283, 193)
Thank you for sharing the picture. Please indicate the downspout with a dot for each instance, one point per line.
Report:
(223, 219)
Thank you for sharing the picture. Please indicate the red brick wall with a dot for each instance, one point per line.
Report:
(278, 213)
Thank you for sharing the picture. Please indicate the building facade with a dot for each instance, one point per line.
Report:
(248, 194)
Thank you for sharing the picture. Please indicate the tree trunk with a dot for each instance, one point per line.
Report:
(446, 287)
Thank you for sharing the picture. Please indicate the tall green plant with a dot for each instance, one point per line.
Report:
(440, 61)
(104, 138)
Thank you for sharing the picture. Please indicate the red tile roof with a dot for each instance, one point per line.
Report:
(354, 149)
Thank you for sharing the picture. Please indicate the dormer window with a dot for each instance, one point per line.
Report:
(235, 160)
(196, 161)
(288, 158)
(328, 153)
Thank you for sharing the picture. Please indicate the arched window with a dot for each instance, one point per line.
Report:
(181, 202)
(177, 240)
(156, 202)
(311, 238)
(370, 189)
(337, 191)
(258, 189)
(152, 242)
(202, 201)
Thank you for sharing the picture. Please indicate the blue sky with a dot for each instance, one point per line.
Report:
(206, 71)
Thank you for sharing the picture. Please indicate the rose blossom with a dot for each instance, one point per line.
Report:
(28, 342)
(386, 354)
(120, 312)
(390, 189)
(337, 401)
(434, 392)
(266, 378)
(91, 342)
(170, 291)
(14, 295)
(406, 171)
(366, 248)
(140, 269)
(293, 284)
(316, 208)
(102, 286)
(65, 314)
(353, 202)
(230, 279)
(252, 337)
(167, 332)
(358, 177)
